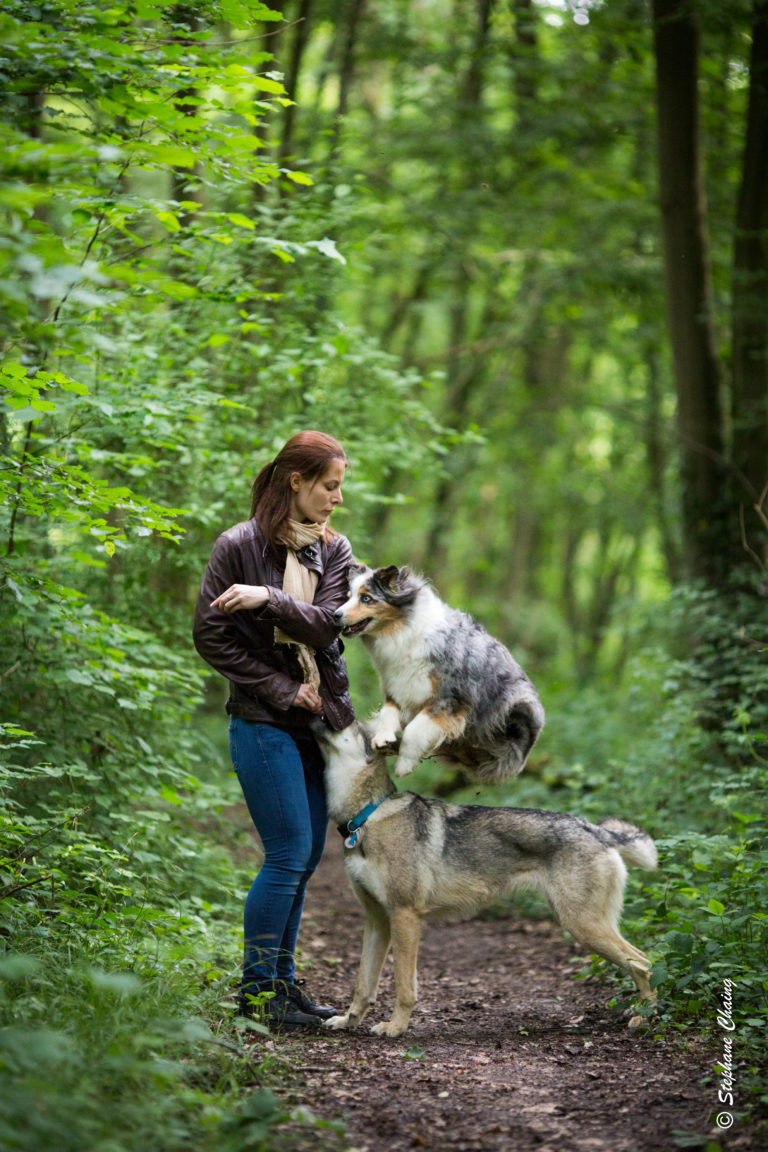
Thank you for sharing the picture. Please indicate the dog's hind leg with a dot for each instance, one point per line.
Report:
(594, 923)
(607, 942)
(376, 936)
(406, 930)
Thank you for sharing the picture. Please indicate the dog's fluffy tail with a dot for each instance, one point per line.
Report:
(509, 751)
(633, 844)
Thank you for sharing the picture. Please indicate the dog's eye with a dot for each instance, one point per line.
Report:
(366, 599)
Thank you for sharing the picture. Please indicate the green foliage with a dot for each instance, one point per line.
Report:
(103, 1059)
(679, 748)
(711, 930)
(164, 327)
(458, 274)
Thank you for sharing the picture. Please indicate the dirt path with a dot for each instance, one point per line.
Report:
(505, 1049)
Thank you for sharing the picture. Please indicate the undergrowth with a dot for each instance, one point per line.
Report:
(120, 892)
(120, 899)
(116, 1022)
(681, 749)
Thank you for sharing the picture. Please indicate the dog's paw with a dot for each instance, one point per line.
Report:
(404, 768)
(385, 742)
(388, 1028)
(340, 1023)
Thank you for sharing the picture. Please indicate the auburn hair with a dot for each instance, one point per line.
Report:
(308, 453)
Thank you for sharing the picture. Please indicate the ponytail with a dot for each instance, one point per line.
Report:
(260, 485)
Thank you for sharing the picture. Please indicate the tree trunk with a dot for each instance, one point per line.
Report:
(750, 300)
(689, 293)
(461, 378)
(300, 39)
(348, 35)
(657, 457)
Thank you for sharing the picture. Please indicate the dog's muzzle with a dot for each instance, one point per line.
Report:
(350, 629)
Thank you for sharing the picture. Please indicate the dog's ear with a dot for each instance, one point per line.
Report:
(389, 577)
(399, 585)
(355, 569)
(367, 736)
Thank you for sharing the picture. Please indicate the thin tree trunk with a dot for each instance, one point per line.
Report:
(750, 297)
(524, 61)
(460, 379)
(300, 40)
(348, 32)
(656, 456)
(689, 293)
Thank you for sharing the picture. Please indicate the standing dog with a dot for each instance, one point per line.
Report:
(448, 684)
(408, 857)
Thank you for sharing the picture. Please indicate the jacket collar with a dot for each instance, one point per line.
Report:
(311, 556)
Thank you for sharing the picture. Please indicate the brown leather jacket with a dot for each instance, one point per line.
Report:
(264, 677)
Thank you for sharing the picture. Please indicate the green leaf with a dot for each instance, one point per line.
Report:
(240, 220)
(170, 220)
(298, 177)
(170, 795)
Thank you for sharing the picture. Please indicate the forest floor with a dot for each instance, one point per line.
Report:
(505, 1049)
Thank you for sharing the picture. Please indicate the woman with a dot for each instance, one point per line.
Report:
(264, 619)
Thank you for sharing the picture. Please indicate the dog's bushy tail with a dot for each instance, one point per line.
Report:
(633, 844)
(522, 730)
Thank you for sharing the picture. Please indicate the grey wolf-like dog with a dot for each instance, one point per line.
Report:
(451, 689)
(414, 857)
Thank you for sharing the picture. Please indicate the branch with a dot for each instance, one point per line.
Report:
(23, 848)
(759, 506)
(11, 543)
(705, 450)
(750, 551)
(92, 241)
(6, 892)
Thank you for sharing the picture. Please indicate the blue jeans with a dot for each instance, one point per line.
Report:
(281, 775)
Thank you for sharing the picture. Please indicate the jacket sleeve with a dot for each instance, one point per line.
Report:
(313, 623)
(221, 643)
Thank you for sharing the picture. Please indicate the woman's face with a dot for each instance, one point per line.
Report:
(315, 500)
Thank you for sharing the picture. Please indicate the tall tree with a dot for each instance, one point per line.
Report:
(689, 288)
(750, 302)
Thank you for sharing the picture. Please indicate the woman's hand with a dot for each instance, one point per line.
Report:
(308, 697)
(241, 596)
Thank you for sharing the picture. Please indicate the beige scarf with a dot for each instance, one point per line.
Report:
(300, 583)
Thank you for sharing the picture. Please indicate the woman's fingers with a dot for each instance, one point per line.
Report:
(239, 596)
(308, 698)
(227, 602)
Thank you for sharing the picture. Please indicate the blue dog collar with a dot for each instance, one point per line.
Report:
(350, 830)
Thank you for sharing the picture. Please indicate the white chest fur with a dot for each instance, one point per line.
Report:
(400, 657)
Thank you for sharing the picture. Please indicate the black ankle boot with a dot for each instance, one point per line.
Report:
(306, 1004)
(279, 1011)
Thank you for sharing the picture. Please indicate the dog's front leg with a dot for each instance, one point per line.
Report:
(421, 738)
(376, 935)
(388, 725)
(406, 930)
